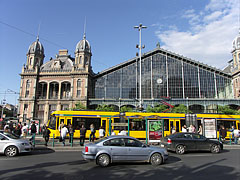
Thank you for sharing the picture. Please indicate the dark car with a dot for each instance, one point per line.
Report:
(182, 142)
(123, 148)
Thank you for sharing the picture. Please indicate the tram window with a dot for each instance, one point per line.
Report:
(183, 122)
(137, 125)
(166, 124)
(117, 120)
(52, 123)
(78, 121)
(227, 124)
(57, 123)
(68, 121)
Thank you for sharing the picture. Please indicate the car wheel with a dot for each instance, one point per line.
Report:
(103, 160)
(180, 149)
(215, 148)
(11, 151)
(156, 159)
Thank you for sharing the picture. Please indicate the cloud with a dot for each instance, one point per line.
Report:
(209, 36)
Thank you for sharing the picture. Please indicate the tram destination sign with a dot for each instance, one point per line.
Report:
(119, 124)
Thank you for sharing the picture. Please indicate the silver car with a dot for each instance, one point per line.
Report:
(123, 148)
(11, 145)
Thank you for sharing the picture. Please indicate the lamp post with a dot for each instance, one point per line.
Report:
(3, 105)
(140, 47)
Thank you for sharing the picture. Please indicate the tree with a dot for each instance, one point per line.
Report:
(157, 108)
(79, 106)
(180, 109)
(104, 107)
(226, 110)
(126, 109)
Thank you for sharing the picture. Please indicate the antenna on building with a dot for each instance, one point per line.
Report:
(84, 34)
(39, 26)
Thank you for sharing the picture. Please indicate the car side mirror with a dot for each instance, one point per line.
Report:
(144, 145)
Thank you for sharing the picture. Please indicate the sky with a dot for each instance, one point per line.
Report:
(202, 30)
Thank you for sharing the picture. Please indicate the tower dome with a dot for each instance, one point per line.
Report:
(36, 48)
(83, 45)
(236, 42)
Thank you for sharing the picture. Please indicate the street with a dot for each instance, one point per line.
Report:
(70, 165)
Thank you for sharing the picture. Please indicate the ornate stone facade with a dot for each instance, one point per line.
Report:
(57, 84)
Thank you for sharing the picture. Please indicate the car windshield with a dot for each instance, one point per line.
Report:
(100, 140)
(12, 136)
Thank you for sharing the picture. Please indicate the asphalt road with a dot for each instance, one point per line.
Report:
(70, 165)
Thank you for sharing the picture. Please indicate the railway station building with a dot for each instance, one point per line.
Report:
(166, 77)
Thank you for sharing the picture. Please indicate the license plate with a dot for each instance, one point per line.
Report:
(162, 145)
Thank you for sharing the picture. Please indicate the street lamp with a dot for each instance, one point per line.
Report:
(140, 47)
(3, 105)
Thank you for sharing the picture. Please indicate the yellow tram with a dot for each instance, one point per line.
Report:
(134, 122)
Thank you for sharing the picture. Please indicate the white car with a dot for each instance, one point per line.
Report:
(11, 145)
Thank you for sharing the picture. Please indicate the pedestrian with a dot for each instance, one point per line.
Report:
(173, 130)
(61, 126)
(71, 132)
(184, 128)
(7, 130)
(236, 135)
(46, 135)
(113, 133)
(101, 132)
(24, 130)
(11, 126)
(92, 135)
(33, 132)
(64, 132)
(122, 132)
(17, 130)
(200, 130)
(82, 135)
(223, 133)
(231, 130)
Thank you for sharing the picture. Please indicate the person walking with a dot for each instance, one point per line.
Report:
(236, 135)
(92, 135)
(184, 128)
(17, 130)
(101, 132)
(64, 132)
(223, 133)
(82, 135)
(61, 126)
(33, 132)
(24, 130)
(46, 134)
(71, 132)
(200, 130)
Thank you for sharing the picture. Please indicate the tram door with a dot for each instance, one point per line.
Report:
(174, 126)
(104, 125)
(178, 125)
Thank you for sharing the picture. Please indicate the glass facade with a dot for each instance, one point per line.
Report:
(163, 76)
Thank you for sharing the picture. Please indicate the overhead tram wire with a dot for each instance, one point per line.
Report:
(25, 32)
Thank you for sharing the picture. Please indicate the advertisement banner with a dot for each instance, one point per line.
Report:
(155, 130)
(210, 128)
